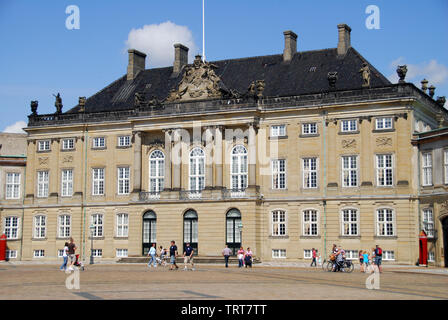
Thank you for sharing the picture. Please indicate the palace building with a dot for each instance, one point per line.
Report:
(280, 153)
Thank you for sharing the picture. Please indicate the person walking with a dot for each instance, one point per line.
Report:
(188, 256)
(248, 258)
(226, 252)
(365, 259)
(65, 257)
(173, 255)
(314, 253)
(71, 253)
(240, 254)
(162, 256)
(152, 254)
(379, 257)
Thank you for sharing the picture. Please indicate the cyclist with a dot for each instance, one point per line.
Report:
(340, 258)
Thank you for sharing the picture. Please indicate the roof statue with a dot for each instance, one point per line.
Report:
(58, 103)
(365, 71)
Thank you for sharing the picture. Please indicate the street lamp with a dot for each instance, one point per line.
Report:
(92, 229)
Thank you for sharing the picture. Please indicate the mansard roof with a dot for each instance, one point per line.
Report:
(306, 73)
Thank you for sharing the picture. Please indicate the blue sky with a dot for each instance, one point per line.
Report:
(39, 56)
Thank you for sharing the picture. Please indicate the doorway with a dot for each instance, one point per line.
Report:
(233, 230)
(191, 230)
(149, 231)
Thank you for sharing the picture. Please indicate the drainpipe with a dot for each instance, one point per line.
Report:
(324, 113)
(84, 196)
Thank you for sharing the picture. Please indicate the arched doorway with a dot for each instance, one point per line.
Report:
(149, 230)
(445, 239)
(233, 230)
(191, 230)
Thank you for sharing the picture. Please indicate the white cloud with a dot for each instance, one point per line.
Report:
(433, 71)
(157, 40)
(16, 127)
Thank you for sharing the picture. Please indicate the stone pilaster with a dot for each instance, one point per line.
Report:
(137, 161)
(217, 156)
(168, 148)
(252, 144)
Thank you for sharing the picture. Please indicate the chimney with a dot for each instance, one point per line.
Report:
(136, 63)
(290, 45)
(344, 39)
(180, 57)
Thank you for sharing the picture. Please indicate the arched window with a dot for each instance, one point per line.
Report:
(149, 230)
(238, 171)
(156, 171)
(197, 169)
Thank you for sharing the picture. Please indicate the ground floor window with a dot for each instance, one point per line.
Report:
(351, 254)
(120, 253)
(98, 253)
(39, 253)
(388, 255)
(11, 254)
(279, 253)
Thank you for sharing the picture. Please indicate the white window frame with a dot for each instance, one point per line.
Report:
(351, 254)
(64, 226)
(11, 254)
(278, 130)
(121, 253)
(427, 163)
(309, 128)
(97, 253)
(124, 141)
(307, 254)
(43, 145)
(122, 230)
(278, 169)
(12, 185)
(156, 171)
(68, 144)
(38, 253)
(99, 142)
(40, 226)
(307, 164)
(11, 227)
(97, 221)
(384, 171)
(348, 171)
(196, 171)
(278, 253)
(238, 161)
(67, 183)
(428, 222)
(279, 223)
(388, 255)
(349, 125)
(309, 220)
(431, 256)
(384, 123)
(98, 181)
(43, 183)
(350, 222)
(123, 180)
(385, 224)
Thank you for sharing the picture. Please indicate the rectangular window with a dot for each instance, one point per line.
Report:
(278, 223)
(431, 256)
(124, 141)
(40, 223)
(309, 170)
(11, 229)
(43, 145)
(279, 253)
(350, 171)
(60, 253)
(351, 254)
(445, 152)
(39, 253)
(384, 170)
(98, 182)
(307, 254)
(349, 125)
(383, 123)
(350, 222)
(428, 222)
(97, 224)
(278, 130)
(42, 184)
(310, 223)
(122, 225)
(427, 169)
(99, 143)
(11, 254)
(309, 128)
(68, 144)
(121, 253)
(388, 255)
(64, 226)
(97, 253)
(278, 174)
(385, 222)
(123, 180)
(12, 185)
(67, 183)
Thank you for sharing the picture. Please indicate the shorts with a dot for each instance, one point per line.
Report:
(378, 260)
(188, 260)
(72, 257)
(173, 259)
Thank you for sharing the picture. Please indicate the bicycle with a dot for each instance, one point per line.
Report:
(346, 266)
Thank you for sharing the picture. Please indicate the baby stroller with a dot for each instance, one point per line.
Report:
(78, 263)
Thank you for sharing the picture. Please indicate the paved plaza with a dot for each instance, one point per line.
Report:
(137, 281)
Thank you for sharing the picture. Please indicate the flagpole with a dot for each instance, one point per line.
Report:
(203, 30)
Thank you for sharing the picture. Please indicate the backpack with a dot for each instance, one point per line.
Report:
(379, 251)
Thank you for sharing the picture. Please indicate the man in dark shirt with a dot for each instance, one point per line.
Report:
(188, 256)
(173, 255)
(71, 253)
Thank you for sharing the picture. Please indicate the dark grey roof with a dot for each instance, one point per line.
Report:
(282, 79)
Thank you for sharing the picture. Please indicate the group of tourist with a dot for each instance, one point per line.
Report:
(68, 253)
(245, 258)
(374, 258)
